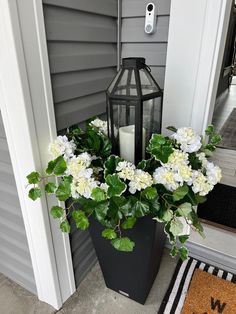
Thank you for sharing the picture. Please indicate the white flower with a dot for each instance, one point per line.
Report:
(176, 159)
(185, 174)
(83, 187)
(189, 141)
(166, 177)
(62, 147)
(141, 180)
(126, 170)
(76, 164)
(202, 158)
(100, 125)
(201, 184)
(213, 173)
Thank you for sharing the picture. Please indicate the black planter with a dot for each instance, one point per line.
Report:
(131, 273)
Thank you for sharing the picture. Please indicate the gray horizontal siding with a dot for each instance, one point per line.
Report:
(81, 38)
(82, 48)
(136, 43)
(15, 261)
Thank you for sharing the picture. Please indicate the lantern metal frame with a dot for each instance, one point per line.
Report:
(135, 64)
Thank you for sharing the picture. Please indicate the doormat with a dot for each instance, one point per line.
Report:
(220, 206)
(228, 132)
(210, 294)
(174, 299)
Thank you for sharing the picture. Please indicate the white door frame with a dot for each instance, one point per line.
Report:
(28, 115)
(197, 35)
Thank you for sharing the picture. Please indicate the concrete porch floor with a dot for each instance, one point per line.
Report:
(92, 296)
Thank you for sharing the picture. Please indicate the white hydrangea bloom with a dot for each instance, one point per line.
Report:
(176, 159)
(202, 158)
(83, 187)
(166, 177)
(100, 124)
(213, 173)
(126, 170)
(189, 141)
(201, 184)
(78, 163)
(141, 180)
(185, 174)
(104, 186)
(62, 147)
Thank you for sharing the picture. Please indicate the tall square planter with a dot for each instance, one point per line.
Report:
(131, 273)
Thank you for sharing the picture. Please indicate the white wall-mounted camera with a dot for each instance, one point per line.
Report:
(150, 20)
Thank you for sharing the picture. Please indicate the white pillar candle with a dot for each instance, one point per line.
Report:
(127, 143)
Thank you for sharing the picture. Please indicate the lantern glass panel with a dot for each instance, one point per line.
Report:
(127, 84)
(148, 86)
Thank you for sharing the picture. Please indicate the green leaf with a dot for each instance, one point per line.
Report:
(63, 191)
(183, 252)
(210, 130)
(80, 219)
(33, 177)
(109, 234)
(154, 206)
(123, 244)
(100, 211)
(184, 209)
(183, 238)
(34, 193)
(57, 166)
(98, 194)
(215, 139)
(129, 223)
(149, 193)
(157, 139)
(162, 153)
(168, 215)
(50, 187)
(174, 251)
(111, 164)
(57, 211)
(65, 226)
(194, 161)
(116, 186)
(196, 223)
(176, 227)
(180, 193)
(140, 209)
(127, 206)
(172, 128)
(200, 199)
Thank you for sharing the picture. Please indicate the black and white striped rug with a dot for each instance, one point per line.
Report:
(176, 293)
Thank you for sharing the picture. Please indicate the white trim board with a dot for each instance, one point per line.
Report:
(28, 116)
(197, 35)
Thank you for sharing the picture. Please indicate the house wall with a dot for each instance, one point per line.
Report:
(136, 43)
(81, 39)
(15, 260)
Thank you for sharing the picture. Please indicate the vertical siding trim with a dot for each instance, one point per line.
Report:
(29, 143)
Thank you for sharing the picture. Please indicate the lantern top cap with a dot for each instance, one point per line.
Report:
(133, 63)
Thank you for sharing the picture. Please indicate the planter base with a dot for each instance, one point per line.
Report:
(131, 273)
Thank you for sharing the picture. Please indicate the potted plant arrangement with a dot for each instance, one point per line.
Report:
(127, 183)
(123, 203)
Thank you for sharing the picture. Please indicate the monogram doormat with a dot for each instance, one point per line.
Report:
(198, 288)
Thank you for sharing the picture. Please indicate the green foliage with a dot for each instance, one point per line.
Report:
(160, 147)
(183, 239)
(210, 130)
(111, 164)
(109, 234)
(129, 223)
(123, 244)
(57, 166)
(116, 186)
(176, 227)
(140, 209)
(63, 191)
(65, 226)
(184, 209)
(80, 219)
(35, 193)
(194, 161)
(57, 211)
(98, 194)
(33, 177)
(149, 193)
(180, 193)
(183, 252)
(172, 128)
(50, 187)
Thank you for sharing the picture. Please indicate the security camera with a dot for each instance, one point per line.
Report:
(150, 20)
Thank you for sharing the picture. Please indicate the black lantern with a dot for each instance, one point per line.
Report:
(134, 109)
